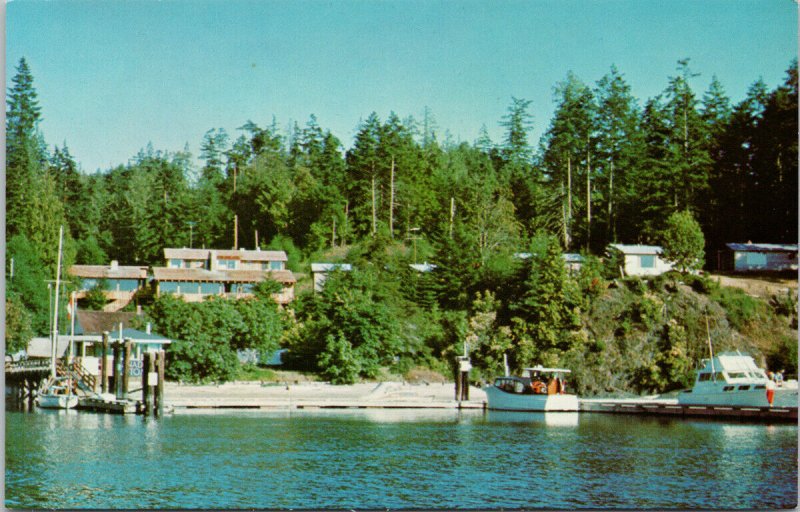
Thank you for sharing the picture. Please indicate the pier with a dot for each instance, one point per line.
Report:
(666, 407)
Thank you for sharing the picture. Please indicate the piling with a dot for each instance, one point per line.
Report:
(115, 348)
(126, 361)
(147, 384)
(104, 364)
(159, 405)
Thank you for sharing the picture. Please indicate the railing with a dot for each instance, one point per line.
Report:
(27, 366)
(78, 373)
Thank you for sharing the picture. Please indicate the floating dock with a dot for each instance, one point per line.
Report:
(664, 407)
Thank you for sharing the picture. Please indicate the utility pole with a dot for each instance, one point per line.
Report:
(191, 224)
(235, 231)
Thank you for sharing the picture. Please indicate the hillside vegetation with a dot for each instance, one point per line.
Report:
(608, 168)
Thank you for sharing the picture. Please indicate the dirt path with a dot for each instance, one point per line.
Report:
(758, 286)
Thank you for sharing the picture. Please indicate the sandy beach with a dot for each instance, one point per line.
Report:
(304, 395)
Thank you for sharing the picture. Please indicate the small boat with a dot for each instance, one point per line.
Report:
(57, 396)
(734, 379)
(539, 389)
(57, 392)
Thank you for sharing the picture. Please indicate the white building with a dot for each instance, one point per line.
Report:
(642, 260)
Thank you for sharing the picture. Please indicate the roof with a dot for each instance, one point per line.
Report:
(751, 247)
(240, 254)
(423, 267)
(41, 347)
(540, 369)
(221, 276)
(97, 322)
(108, 272)
(637, 249)
(330, 267)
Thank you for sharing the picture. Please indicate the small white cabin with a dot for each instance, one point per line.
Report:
(642, 260)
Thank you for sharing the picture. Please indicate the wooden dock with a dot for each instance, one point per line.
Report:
(673, 408)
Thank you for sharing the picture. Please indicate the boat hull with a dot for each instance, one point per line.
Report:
(750, 398)
(47, 401)
(499, 400)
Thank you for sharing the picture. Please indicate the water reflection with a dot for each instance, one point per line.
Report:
(549, 419)
(373, 458)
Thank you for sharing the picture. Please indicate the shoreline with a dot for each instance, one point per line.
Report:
(310, 395)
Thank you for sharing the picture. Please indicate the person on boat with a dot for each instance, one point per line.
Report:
(770, 389)
(779, 378)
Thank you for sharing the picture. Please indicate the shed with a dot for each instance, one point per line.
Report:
(759, 257)
(320, 272)
(642, 260)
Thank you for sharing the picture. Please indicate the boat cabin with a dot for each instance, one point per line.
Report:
(731, 368)
(537, 381)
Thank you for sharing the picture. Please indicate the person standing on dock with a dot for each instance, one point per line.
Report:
(770, 389)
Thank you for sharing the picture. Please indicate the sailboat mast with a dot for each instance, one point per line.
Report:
(55, 307)
(710, 351)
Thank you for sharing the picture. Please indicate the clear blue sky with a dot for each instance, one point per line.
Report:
(114, 75)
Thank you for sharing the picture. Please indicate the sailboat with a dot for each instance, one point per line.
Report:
(57, 393)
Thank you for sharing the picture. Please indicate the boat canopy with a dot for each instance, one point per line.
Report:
(541, 369)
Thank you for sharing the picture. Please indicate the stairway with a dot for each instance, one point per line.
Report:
(82, 381)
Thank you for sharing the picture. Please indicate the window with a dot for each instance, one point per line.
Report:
(169, 287)
(128, 285)
(756, 259)
(728, 388)
(276, 265)
(226, 264)
(210, 288)
(88, 284)
(175, 263)
(647, 261)
(744, 388)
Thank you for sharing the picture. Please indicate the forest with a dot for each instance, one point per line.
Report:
(609, 168)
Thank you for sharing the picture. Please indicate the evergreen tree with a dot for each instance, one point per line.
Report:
(620, 148)
(25, 156)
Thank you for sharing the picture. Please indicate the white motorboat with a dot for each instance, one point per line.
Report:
(734, 379)
(539, 389)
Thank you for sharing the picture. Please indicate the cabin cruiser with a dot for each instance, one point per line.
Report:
(734, 379)
(539, 389)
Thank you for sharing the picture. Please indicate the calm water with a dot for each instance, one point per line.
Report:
(395, 459)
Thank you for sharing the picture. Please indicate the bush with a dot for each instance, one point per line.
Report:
(741, 309)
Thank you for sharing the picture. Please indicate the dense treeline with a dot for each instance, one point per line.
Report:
(608, 169)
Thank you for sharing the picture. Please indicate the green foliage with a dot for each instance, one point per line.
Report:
(549, 305)
(29, 282)
(590, 280)
(338, 361)
(95, 298)
(683, 242)
(353, 308)
(206, 335)
(786, 305)
(740, 308)
(17, 325)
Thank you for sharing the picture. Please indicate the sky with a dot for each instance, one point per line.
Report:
(113, 76)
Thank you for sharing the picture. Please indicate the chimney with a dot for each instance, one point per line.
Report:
(147, 329)
(114, 264)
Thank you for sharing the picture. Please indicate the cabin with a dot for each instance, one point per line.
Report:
(320, 272)
(195, 274)
(641, 260)
(758, 257)
(119, 283)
